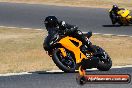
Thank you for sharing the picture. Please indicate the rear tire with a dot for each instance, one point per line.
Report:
(121, 24)
(104, 66)
(105, 63)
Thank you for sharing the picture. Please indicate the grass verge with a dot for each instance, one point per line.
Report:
(21, 50)
(78, 3)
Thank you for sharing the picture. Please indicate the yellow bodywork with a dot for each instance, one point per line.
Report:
(125, 17)
(124, 13)
(66, 42)
(63, 51)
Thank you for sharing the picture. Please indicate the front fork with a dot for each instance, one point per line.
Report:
(81, 69)
(63, 52)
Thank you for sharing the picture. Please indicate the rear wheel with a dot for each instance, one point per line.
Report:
(105, 62)
(66, 64)
(121, 24)
(130, 20)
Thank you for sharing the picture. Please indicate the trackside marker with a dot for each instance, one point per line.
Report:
(83, 32)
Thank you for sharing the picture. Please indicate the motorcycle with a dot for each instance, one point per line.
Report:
(67, 52)
(124, 17)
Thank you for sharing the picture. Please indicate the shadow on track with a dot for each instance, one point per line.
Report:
(124, 70)
(45, 72)
(51, 72)
(111, 25)
(116, 25)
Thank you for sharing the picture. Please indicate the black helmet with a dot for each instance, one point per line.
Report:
(115, 7)
(51, 21)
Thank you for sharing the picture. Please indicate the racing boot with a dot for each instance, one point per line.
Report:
(81, 79)
(82, 71)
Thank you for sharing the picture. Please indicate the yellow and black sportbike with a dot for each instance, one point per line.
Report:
(124, 17)
(68, 52)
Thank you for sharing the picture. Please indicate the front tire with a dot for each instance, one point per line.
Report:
(58, 60)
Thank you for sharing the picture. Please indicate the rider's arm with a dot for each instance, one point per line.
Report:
(67, 28)
(110, 10)
(71, 29)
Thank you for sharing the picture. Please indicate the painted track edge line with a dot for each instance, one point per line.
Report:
(53, 71)
(20, 28)
(15, 74)
(111, 34)
(83, 32)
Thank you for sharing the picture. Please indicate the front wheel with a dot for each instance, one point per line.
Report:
(66, 64)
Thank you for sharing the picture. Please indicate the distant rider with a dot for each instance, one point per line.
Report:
(114, 13)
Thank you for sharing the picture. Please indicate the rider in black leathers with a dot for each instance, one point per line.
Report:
(55, 27)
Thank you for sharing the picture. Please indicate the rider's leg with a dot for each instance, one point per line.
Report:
(79, 35)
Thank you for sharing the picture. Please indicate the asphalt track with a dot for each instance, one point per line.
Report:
(94, 19)
(59, 80)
